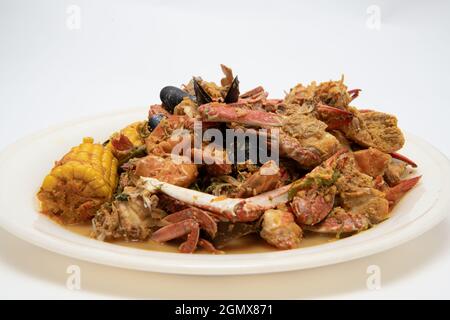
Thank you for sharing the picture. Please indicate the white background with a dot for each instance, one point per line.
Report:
(125, 51)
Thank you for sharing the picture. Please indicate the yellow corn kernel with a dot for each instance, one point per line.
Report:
(87, 140)
(67, 171)
(98, 183)
(49, 182)
(90, 174)
(105, 191)
(78, 171)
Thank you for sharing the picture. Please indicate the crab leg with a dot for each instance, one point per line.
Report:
(208, 246)
(190, 244)
(396, 192)
(202, 217)
(403, 158)
(233, 209)
(176, 230)
(251, 209)
(224, 206)
(341, 222)
(219, 112)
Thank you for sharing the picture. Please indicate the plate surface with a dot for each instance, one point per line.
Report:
(24, 165)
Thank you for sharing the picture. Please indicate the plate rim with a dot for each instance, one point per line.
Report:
(188, 264)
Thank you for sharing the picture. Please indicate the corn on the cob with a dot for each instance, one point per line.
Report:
(80, 183)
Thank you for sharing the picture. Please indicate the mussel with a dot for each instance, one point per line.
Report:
(171, 96)
(233, 93)
(154, 120)
(202, 97)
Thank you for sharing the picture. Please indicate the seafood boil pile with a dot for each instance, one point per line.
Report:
(338, 170)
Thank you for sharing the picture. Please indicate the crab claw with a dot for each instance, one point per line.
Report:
(396, 192)
(202, 217)
(334, 117)
(403, 158)
(311, 207)
(341, 222)
(291, 148)
(219, 112)
(227, 209)
(186, 222)
(312, 201)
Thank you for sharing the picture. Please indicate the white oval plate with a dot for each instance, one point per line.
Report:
(24, 165)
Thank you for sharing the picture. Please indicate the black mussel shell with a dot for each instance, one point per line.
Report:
(155, 120)
(233, 93)
(172, 96)
(200, 94)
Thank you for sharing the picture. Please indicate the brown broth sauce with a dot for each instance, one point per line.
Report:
(247, 244)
